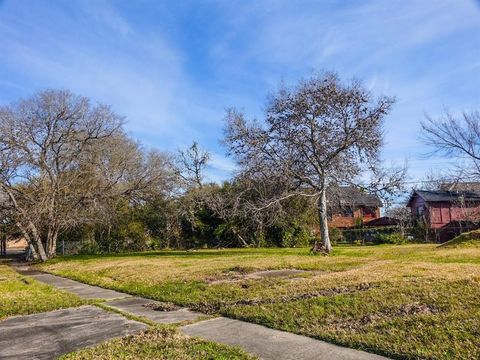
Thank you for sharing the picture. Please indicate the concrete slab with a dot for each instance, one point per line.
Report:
(48, 335)
(143, 307)
(271, 344)
(83, 290)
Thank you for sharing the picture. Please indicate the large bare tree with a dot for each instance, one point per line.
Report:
(321, 133)
(61, 160)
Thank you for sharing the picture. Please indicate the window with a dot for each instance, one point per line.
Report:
(347, 212)
(436, 215)
(420, 210)
(370, 211)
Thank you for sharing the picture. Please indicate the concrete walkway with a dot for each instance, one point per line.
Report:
(48, 335)
(146, 308)
(270, 344)
(84, 291)
(258, 340)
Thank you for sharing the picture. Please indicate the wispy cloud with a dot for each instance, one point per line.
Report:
(220, 167)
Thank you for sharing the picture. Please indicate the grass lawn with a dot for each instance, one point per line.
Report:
(409, 301)
(20, 295)
(159, 343)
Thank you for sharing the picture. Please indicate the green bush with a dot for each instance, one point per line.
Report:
(288, 234)
(373, 235)
(336, 235)
(393, 238)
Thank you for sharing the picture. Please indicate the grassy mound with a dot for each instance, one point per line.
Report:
(159, 343)
(467, 239)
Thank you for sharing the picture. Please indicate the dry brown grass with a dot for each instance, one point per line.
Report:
(159, 343)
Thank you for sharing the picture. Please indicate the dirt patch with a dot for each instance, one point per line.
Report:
(276, 273)
(238, 273)
(243, 270)
(25, 281)
(310, 295)
(162, 306)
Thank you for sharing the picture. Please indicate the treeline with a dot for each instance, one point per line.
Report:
(69, 173)
(73, 180)
(190, 220)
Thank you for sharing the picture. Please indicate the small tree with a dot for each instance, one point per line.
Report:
(190, 165)
(402, 215)
(321, 133)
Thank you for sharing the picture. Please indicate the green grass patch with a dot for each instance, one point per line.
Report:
(21, 295)
(164, 343)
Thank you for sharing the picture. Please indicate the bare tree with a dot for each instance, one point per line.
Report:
(61, 160)
(226, 203)
(318, 134)
(191, 164)
(189, 167)
(236, 204)
(402, 215)
(456, 137)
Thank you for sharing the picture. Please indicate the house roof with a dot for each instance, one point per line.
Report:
(445, 196)
(382, 221)
(352, 196)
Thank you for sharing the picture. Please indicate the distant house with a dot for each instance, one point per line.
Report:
(446, 212)
(350, 206)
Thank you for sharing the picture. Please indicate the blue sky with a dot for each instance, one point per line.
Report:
(172, 67)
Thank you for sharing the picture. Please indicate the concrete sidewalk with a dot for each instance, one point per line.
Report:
(84, 291)
(270, 344)
(146, 308)
(48, 335)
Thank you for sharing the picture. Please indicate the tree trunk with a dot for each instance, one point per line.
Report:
(326, 246)
(38, 242)
(260, 235)
(33, 252)
(52, 243)
(36, 246)
(242, 240)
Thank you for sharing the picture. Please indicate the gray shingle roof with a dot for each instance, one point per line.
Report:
(449, 196)
(352, 196)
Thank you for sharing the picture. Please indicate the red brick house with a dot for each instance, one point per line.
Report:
(352, 206)
(446, 213)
